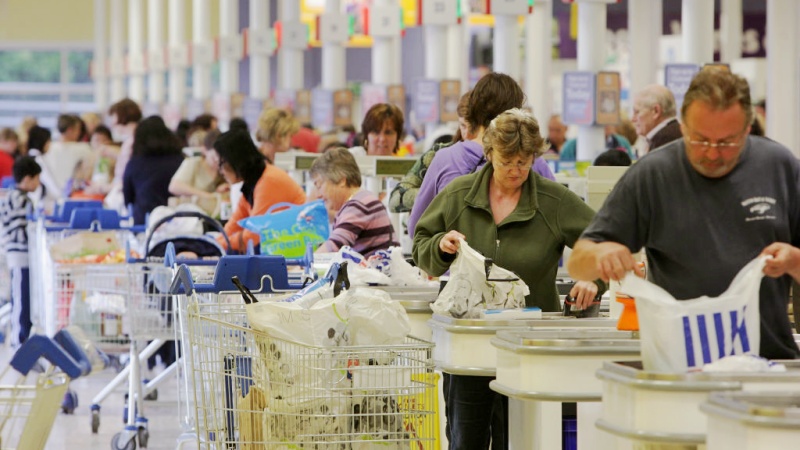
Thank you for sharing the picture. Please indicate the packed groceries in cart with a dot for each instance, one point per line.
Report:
(321, 367)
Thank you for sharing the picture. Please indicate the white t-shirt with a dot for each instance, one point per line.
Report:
(61, 160)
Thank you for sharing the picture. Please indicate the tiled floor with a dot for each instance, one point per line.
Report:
(73, 432)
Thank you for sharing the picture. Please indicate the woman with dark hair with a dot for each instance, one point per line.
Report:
(382, 129)
(155, 159)
(263, 184)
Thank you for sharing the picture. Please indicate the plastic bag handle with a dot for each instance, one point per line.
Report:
(280, 205)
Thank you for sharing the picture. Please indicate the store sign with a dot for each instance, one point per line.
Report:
(607, 90)
(578, 98)
(677, 78)
(426, 101)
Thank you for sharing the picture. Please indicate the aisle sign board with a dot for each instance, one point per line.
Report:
(449, 94)
(343, 107)
(506, 7)
(438, 12)
(231, 47)
(179, 57)
(426, 101)
(677, 78)
(607, 89)
(302, 106)
(371, 95)
(322, 114)
(260, 42)
(156, 60)
(384, 21)
(578, 98)
(294, 35)
(396, 95)
(333, 28)
(203, 53)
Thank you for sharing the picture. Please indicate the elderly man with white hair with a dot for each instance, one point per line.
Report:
(654, 116)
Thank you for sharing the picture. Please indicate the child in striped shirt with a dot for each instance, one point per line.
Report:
(14, 210)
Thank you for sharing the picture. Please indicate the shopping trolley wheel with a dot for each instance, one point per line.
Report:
(95, 421)
(70, 402)
(143, 436)
(128, 441)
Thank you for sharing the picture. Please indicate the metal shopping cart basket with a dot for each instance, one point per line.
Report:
(267, 276)
(29, 403)
(257, 391)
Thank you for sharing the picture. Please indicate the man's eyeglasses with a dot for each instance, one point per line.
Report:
(723, 145)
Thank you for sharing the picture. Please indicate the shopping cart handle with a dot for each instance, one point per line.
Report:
(39, 346)
(69, 339)
(182, 282)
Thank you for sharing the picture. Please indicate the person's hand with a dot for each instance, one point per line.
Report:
(584, 293)
(614, 260)
(785, 259)
(223, 188)
(450, 242)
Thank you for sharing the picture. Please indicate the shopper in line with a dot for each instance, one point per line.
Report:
(14, 211)
(493, 94)
(361, 220)
(703, 207)
(522, 221)
(382, 129)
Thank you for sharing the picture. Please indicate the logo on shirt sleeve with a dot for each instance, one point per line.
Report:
(759, 208)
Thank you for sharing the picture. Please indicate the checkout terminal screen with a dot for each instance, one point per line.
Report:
(390, 167)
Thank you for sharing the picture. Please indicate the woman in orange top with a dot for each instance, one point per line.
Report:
(264, 184)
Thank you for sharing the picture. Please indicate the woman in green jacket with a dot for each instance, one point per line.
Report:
(519, 219)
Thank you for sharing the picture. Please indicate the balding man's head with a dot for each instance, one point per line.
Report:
(651, 106)
(556, 131)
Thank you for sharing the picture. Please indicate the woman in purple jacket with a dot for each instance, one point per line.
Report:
(495, 93)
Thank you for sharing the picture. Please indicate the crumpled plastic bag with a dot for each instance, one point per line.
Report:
(356, 317)
(392, 263)
(106, 303)
(468, 293)
(744, 363)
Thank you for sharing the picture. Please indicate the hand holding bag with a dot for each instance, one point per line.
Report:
(680, 336)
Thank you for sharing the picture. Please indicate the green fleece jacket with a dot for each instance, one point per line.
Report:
(528, 242)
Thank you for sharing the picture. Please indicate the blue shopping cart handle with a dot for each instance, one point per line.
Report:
(39, 346)
(259, 273)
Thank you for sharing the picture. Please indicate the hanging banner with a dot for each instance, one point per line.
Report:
(677, 78)
(426, 101)
(607, 90)
(396, 95)
(322, 114)
(371, 95)
(251, 111)
(449, 94)
(302, 106)
(579, 99)
(343, 106)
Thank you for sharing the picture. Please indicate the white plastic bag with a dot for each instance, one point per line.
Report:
(361, 316)
(680, 336)
(468, 294)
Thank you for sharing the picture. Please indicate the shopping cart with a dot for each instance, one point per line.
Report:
(29, 404)
(256, 391)
(266, 276)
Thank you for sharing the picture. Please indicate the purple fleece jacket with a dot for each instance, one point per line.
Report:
(459, 159)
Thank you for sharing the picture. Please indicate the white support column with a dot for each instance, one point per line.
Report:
(456, 52)
(155, 50)
(259, 63)
(228, 28)
(435, 52)
(177, 40)
(505, 46)
(136, 59)
(538, 60)
(100, 50)
(333, 55)
(644, 28)
(396, 75)
(783, 72)
(591, 56)
(731, 30)
(384, 54)
(117, 51)
(291, 74)
(201, 35)
(697, 25)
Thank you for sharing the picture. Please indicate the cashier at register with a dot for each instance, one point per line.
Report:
(703, 207)
(516, 217)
